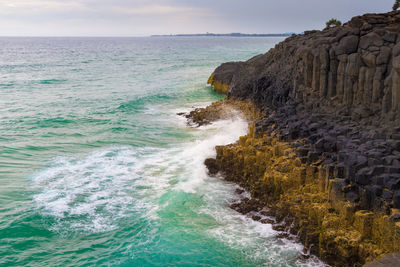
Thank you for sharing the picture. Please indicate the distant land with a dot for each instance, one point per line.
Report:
(235, 34)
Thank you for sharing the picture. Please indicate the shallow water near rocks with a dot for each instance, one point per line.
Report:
(96, 168)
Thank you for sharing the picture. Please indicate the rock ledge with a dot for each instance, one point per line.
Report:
(332, 97)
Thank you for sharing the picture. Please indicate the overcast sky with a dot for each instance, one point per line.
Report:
(146, 17)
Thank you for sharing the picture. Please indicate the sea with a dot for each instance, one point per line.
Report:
(97, 168)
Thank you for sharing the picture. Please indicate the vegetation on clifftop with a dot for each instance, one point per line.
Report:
(333, 23)
(396, 5)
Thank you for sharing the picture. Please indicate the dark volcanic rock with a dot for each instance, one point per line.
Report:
(339, 90)
(212, 166)
(325, 151)
(355, 67)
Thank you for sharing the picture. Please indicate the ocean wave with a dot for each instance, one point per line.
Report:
(89, 194)
(169, 187)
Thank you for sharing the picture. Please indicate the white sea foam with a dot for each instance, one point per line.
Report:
(193, 155)
(237, 230)
(90, 193)
(95, 192)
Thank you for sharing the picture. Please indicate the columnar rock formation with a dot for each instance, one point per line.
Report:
(355, 68)
(332, 97)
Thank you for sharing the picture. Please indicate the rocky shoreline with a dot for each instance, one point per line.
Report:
(323, 151)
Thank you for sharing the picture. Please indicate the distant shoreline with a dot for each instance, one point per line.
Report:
(226, 35)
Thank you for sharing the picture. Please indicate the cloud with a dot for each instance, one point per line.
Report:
(154, 10)
(102, 17)
(145, 17)
(39, 10)
(39, 6)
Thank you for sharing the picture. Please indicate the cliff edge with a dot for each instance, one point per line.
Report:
(326, 150)
(354, 68)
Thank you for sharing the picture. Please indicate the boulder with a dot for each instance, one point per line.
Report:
(347, 45)
(370, 39)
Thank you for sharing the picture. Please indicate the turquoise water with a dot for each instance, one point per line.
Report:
(97, 169)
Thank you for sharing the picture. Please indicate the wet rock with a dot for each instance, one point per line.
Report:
(334, 97)
(279, 227)
(256, 217)
(239, 191)
(283, 235)
(212, 166)
(267, 221)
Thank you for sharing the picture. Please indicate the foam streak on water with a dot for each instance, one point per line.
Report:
(90, 193)
(94, 193)
(96, 168)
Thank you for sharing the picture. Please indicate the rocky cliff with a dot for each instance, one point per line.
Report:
(326, 150)
(354, 69)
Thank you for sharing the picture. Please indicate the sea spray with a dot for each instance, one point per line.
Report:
(97, 168)
(95, 193)
(222, 132)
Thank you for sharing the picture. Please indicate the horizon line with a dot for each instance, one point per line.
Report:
(136, 36)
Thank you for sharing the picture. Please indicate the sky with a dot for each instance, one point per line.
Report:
(147, 17)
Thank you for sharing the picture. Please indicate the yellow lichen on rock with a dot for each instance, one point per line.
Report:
(292, 189)
(331, 227)
(219, 87)
(224, 109)
(210, 79)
